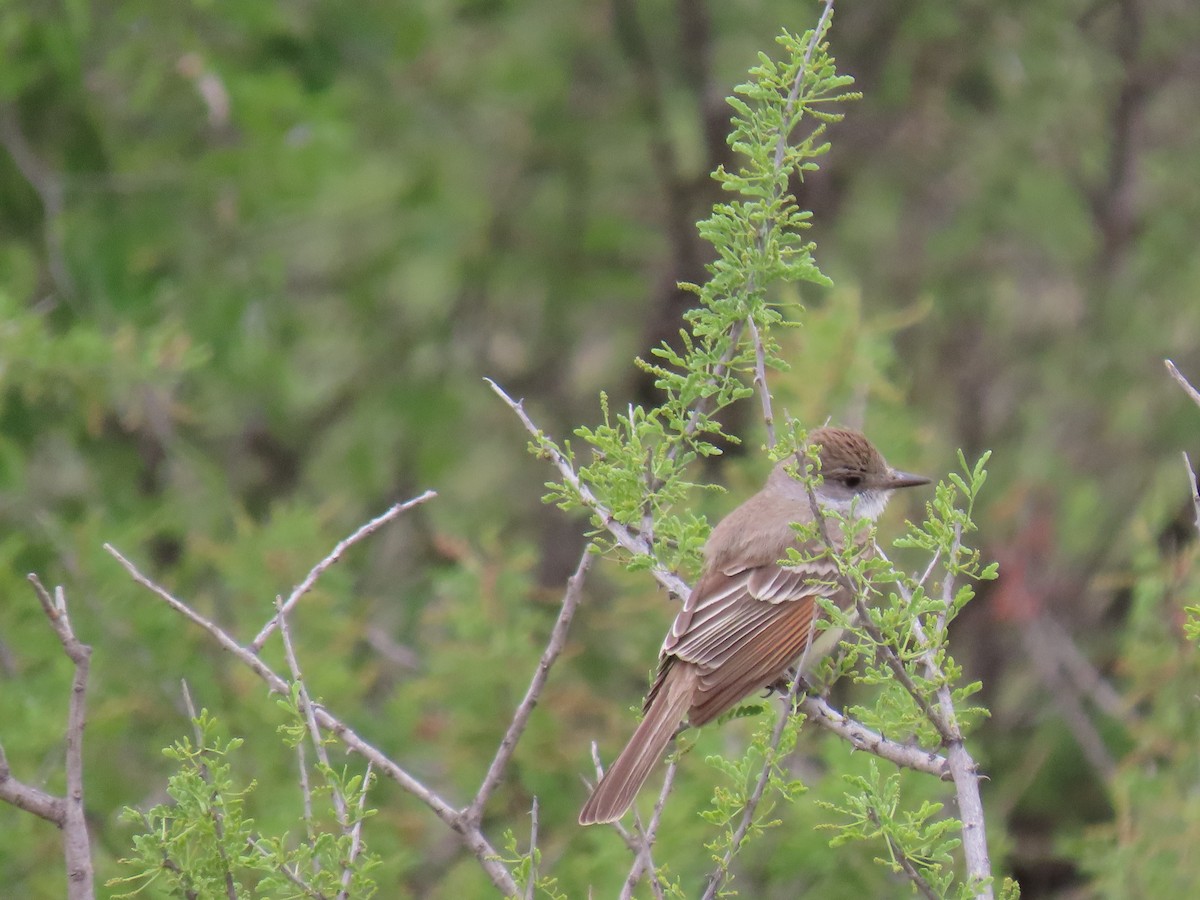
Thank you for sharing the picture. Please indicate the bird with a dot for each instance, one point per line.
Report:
(750, 617)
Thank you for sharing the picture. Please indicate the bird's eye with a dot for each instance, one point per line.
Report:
(852, 481)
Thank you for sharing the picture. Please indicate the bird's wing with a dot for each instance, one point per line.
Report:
(743, 628)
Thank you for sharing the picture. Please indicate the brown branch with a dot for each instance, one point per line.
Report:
(291, 875)
(334, 555)
(469, 834)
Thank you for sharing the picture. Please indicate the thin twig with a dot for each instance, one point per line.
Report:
(356, 843)
(291, 875)
(632, 542)
(963, 769)
(341, 813)
(642, 840)
(558, 640)
(213, 807)
(1085, 676)
(705, 399)
(531, 884)
(1191, 473)
(1183, 382)
(906, 865)
(735, 333)
(760, 381)
(310, 719)
(306, 791)
(719, 875)
(76, 844)
(857, 591)
(334, 555)
(470, 835)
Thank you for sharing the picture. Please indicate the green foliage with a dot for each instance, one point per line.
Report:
(1146, 851)
(230, 334)
(636, 471)
(204, 845)
(764, 757)
(525, 868)
(635, 477)
(900, 648)
(919, 839)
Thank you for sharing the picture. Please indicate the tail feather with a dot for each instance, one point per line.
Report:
(625, 777)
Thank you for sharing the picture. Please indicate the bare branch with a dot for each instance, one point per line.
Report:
(1195, 490)
(355, 836)
(642, 839)
(334, 555)
(963, 769)
(632, 542)
(1195, 395)
(531, 885)
(76, 845)
(470, 835)
(292, 875)
(760, 381)
(1183, 382)
(719, 875)
(306, 708)
(558, 639)
(906, 865)
(30, 799)
(819, 712)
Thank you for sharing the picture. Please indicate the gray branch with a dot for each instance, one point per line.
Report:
(468, 833)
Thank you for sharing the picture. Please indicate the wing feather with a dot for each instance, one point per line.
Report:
(743, 628)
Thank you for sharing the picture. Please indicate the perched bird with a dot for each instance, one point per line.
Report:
(749, 618)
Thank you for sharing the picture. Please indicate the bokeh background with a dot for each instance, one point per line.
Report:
(255, 259)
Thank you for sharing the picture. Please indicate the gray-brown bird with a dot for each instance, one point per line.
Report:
(749, 619)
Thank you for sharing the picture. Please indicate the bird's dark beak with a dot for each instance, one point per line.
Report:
(897, 479)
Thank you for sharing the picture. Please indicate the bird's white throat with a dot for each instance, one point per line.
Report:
(862, 505)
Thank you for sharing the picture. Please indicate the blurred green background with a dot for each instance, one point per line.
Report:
(255, 259)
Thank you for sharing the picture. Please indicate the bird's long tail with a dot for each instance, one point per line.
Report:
(625, 777)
